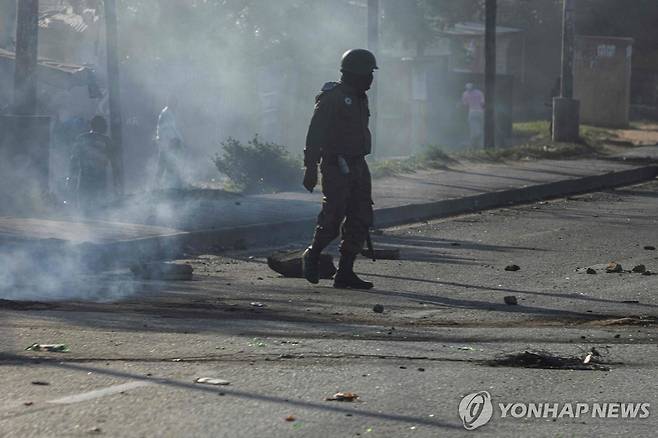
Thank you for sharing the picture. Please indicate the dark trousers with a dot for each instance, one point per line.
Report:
(347, 202)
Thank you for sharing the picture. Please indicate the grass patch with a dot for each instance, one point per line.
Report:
(538, 128)
(534, 143)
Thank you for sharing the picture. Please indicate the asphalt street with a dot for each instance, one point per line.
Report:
(286, 346)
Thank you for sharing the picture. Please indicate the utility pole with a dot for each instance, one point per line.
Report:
(490, 74)
(566, 110)
(113, 81)
(25, 136)
(25, 68)
(373, 46)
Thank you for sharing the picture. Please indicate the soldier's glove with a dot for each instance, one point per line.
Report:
(311, 177)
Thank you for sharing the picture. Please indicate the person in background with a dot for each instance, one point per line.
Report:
(473, 99)
(170, 147)
(90, 161)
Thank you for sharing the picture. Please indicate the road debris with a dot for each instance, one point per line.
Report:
(511, 300)
(28, 403)
(165, 271)
(257, 304)
(95, 430)
(631, 320)
(40, 383)
(378, 308)
(591, 271)
(614, 268)
(212, 381)
(650, 248)
(547, 360)
(343, 397)
(512, 268)
(51, 348)
(291, 418)
(639, 269)
(289, 264)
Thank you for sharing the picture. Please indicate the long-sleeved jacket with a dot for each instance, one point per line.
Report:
(339, 125)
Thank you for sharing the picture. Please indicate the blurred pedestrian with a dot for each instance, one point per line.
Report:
(170, 148)
(473, 99)
(90, 162)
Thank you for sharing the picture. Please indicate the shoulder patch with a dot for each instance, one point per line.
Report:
(329, 86)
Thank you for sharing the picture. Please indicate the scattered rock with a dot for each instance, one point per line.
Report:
(95, 430)
(640, 269)
(650, 248)
(343, 397)
(512, 268)
(378, 308)
(212, 381)
(591, 271)
(421, 369)
(29, 403)
(647, 273)
(614, 268)
(289, 264)
(511, 300)
(291, 418)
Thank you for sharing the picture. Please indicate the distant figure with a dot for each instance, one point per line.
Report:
(473, 99)
(170, 148)
(90, 161)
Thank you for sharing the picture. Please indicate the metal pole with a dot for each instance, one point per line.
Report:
(114, 92)
(25, 68)
(568, 36)
(490, 75)
(566, 109)
(373, 46)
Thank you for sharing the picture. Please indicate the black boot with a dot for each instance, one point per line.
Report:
(346, 278)
(311, 265)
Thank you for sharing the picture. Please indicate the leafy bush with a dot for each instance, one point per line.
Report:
(259, 167)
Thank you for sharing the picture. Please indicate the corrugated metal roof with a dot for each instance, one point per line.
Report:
(477, 29)
(58, 74)
(62, 19)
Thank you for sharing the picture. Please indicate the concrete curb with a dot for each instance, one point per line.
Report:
(282, 232)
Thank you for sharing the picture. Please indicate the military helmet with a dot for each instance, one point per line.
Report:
(359, 61)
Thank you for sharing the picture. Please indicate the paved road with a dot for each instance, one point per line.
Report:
(133, 363)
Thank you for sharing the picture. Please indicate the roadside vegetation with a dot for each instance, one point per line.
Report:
(531, 141)
(258, 167)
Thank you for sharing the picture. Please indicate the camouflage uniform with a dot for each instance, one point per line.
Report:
(339, 130)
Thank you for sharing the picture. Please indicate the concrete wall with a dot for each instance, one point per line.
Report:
(602, 75)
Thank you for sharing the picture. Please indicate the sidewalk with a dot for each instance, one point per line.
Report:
(146, 225)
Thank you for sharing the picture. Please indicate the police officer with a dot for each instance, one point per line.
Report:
(339, 139)
(90, 161)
